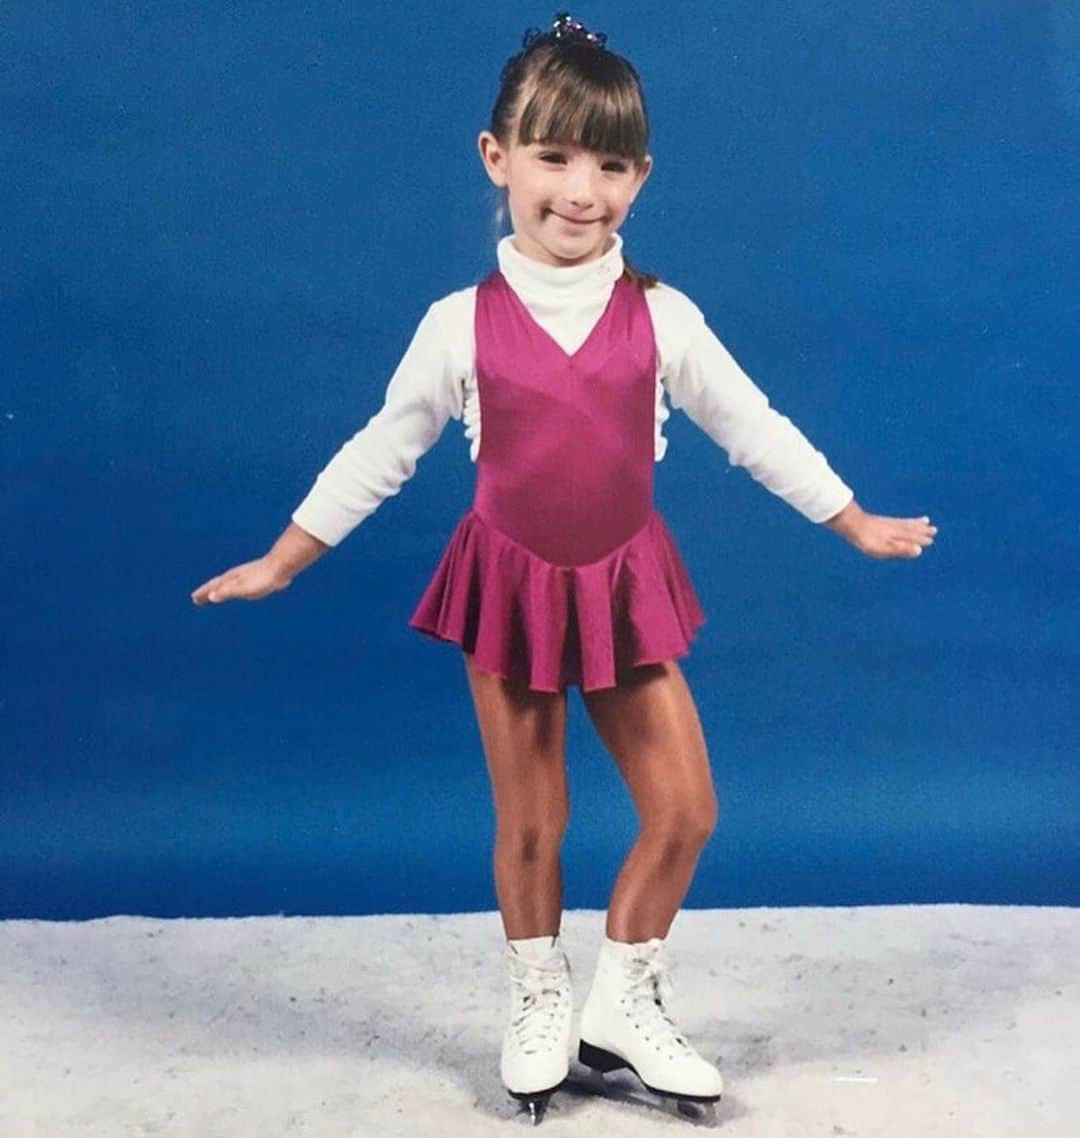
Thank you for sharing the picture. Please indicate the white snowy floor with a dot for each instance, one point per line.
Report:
(956, 1021)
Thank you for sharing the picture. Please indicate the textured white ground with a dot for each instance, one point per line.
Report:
(957, 1021)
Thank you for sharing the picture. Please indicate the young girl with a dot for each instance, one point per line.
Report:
(562, 571)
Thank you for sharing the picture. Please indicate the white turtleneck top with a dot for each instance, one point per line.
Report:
(436, 381)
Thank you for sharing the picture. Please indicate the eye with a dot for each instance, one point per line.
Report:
(553, 157)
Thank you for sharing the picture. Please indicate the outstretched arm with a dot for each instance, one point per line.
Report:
(422, 395)
(703, 378)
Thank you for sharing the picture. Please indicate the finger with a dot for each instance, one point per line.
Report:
(915, 532)
(221, 588)
(203, 592)
(913, 544)
(900, 545)
(223, 592)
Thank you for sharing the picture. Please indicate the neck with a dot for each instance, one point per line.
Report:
(529, 276)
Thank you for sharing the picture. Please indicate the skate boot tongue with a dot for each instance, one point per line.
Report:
(622, 955)
(536, 949)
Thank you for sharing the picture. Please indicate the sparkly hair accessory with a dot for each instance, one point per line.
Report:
(565, 29)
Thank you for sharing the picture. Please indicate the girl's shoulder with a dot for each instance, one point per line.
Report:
(449, 322)
(677, 322)
(673, 307)
(456, 302)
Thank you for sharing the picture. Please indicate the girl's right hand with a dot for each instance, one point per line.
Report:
(250, 582)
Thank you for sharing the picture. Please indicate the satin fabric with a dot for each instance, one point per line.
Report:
(562, 571)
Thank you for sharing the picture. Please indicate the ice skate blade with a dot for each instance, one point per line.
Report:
(634, 1094)
(700, 1109)
(534, 1103)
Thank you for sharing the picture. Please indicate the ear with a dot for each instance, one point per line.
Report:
(493, 156)
(643, 173)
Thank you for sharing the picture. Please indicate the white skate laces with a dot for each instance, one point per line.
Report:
(646, 995)
(540, 999)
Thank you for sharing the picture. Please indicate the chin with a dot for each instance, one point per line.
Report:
(575, 250)
(579, 243)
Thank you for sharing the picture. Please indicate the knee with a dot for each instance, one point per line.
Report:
(534, 839)
(710, 817)
(686, 830)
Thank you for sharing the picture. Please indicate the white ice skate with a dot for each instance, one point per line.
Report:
(626, 1023)
(536, 1046)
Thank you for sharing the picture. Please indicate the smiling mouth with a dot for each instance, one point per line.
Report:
(576, 220)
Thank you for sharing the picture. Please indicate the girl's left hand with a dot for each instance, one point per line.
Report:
(879, 536)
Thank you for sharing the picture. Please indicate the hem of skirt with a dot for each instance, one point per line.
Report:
(676, 654)
(663, 658)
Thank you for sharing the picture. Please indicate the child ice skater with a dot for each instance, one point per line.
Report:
(562, 571)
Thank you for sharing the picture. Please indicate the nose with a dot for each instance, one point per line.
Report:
(579, 186)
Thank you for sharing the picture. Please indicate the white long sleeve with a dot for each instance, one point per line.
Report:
(436, 380)
(703, 379)
(422, 395)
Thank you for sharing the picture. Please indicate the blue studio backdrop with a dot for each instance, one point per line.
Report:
(219, 227)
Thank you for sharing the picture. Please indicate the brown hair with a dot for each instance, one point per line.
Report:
(574, 94)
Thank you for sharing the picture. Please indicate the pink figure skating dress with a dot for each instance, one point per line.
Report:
(562, 572)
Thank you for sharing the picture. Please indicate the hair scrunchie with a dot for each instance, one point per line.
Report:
(565, 29)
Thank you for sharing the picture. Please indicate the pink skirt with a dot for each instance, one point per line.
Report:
(547, 626)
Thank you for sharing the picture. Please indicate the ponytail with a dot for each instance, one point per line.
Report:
(642, 280)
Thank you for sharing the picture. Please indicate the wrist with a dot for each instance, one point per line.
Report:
(294, 551)
(847, 521)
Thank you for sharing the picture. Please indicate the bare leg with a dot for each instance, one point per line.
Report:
(524, 738)
(650, 724)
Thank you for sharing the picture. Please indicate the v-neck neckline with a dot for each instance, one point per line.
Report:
(570, 357)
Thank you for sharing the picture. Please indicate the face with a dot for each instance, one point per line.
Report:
(565, 201)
